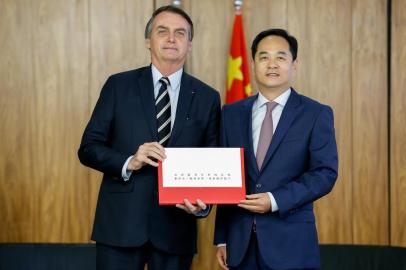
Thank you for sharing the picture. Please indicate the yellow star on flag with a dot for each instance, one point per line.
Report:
(234, 70)
(248, 90)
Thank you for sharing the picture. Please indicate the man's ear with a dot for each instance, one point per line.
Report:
(252, 61)
(148, 43)
(295, 65)
(189, 49)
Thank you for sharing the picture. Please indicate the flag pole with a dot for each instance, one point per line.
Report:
(177, 3)
(237, 5)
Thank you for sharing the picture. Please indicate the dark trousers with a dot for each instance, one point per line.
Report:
(253, 258)
(135, 258)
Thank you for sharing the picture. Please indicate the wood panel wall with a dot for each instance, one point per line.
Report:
(55, 56)
(398, 124)
(370, 126)
(44, 69)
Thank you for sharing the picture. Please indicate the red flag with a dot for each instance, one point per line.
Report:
(238, 76)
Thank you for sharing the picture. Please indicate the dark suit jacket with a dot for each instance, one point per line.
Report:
(300, 166)
(124, 118)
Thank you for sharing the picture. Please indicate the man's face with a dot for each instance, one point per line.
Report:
(273, 65)
(169, 41)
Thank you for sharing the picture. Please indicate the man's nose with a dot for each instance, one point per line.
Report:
(171, 37)
(272, 63)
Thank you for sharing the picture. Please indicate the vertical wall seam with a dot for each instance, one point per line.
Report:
(352, 124)
(89, 96)
(389, 60)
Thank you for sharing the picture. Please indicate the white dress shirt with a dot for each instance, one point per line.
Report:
(173, 88)
(258, 115)
(173, 91)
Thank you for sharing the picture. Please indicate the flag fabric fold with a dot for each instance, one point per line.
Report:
(238, 77)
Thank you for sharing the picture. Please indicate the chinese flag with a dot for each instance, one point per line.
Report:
(238, 76)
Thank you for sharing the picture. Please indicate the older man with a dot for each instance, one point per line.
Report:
(140, 112)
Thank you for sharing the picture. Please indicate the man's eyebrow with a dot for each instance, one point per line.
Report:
(181, 29)
(162, 27)
(167, 28)
(279, 52)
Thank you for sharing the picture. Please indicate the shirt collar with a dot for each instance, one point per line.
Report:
(281, 99)
(174, 78)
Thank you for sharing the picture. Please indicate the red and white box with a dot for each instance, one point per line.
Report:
(213, 175)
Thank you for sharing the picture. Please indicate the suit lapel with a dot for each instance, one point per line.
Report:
(289, 113)
(146, 87)
(246, 125)
(186, 95)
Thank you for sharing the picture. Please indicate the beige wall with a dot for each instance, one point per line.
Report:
(55, 56)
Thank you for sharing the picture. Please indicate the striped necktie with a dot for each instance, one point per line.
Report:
(163, 110)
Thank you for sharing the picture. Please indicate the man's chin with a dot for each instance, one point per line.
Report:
(272, 84)
(174, 59)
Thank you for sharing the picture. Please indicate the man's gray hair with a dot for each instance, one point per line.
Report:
(172, 9)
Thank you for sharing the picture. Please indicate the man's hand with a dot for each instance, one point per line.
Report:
(148, 153)
(222, 257)
(192, 208)
(257, 203)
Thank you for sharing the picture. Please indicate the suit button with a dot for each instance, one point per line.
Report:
(258, 185)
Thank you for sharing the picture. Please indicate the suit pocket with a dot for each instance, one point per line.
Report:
(292, 138)
(301, 216)
(192, 134)
(194, 124)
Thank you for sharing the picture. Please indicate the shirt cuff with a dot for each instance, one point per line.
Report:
(126, 174)
(203, 213)
(274, 205)
(221, 245)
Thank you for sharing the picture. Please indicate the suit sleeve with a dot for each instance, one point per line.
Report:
(211, 138)
(212, 132)
(221, 213)
(95, 149)
(323, 167)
